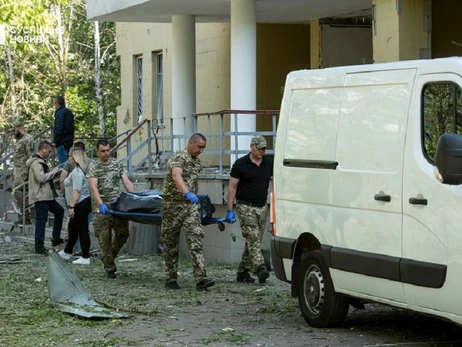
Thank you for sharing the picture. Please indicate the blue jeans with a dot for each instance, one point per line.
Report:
(63, 154)
(78, 246)
(41, 218)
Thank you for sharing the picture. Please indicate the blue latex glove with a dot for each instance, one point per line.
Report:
(230, 216)
(103, 209)
(192, 197)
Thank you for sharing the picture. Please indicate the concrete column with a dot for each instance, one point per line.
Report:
(401, 30)
(183, 77)
(243, 69)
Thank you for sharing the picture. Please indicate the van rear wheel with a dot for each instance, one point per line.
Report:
(321, 306)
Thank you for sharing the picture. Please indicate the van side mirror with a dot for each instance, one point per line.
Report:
(448, 158)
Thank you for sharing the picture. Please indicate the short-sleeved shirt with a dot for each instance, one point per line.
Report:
(68, 167)
(108, 176)
(23, 149)
(191, 169)
(77, 181)
(253, 179)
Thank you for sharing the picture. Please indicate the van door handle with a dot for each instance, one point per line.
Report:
(382, 197)
(418, 201)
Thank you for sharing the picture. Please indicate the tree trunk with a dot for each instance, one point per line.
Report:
(99, 92)
(12, 81)
(61, 53)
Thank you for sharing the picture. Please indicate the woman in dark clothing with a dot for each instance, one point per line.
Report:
(78, 195)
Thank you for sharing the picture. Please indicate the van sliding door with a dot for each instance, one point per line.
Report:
(367, 197)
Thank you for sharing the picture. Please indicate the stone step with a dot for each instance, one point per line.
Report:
(143, 239)
(12, 215)
(26, 233)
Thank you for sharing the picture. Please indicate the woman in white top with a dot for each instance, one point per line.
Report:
(78, 196)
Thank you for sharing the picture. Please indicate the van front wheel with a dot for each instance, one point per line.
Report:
(321, 306)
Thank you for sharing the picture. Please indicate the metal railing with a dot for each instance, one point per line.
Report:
(7, 165)
(215, 126)
(229, 138)
(91, 152)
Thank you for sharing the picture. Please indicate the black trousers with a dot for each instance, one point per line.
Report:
(78, 227)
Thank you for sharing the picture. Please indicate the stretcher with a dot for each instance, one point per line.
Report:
(156, 218)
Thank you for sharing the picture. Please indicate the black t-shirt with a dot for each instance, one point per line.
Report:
(253, 179)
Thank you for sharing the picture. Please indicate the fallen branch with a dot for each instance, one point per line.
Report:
(10, 260)
(118, 309)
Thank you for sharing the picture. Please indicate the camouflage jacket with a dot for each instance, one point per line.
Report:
(23, 149)
(191, 169)
(109, 177)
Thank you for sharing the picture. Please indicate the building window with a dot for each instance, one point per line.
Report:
(442, 113)
(159, 88)
(139, 88)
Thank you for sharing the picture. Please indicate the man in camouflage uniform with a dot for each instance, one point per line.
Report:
(248, 183)
(104, 177)
(180, 210)
(24, 147)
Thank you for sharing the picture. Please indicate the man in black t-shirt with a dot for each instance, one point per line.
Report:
(248, 184)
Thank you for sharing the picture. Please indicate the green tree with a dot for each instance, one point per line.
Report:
(32, 72)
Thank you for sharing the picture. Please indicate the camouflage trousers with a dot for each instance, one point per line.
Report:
(253, 222)
(18, 194)
(186, 217)
(109, 244)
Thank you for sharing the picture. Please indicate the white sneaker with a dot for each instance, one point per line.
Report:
(64, 255)
(82, 261)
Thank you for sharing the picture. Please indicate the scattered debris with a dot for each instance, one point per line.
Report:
(419, 343)
(10, 260)
(67, 293)
(126, 260)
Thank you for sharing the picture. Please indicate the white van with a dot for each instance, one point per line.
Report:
(359, 212)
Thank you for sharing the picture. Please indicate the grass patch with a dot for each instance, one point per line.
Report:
(228, 337)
